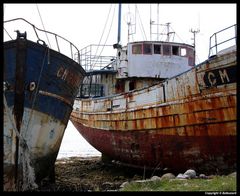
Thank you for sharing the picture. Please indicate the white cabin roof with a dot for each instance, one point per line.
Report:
(155, 59)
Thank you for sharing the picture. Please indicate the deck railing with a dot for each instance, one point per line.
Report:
(92, 58)
(58, 43)
(222, 40)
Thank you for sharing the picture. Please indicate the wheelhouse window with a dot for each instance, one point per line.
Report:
(142, 49)
(183, 51)
(157, 49)
(167, 50)
(147, 48)
(137, 49)
(175, 50)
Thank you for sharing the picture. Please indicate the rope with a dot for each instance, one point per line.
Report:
(28, 180)
(103, 32)
(106, 37)
(177, 36)
(12, 121)
(8, 34)
(43, 25)
(142, 28)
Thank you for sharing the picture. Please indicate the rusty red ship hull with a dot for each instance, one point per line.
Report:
(150, 151)
(188, 121)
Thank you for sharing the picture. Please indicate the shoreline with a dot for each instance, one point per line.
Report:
(88, 174)
(91, 174)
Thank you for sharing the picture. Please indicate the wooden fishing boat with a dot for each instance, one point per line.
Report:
(40, 85)
(152, 108)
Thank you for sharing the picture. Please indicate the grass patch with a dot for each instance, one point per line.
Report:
(217, 183)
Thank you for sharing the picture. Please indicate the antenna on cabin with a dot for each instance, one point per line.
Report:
(194, 41)
(129, 19)
(152, 22)
(168, 31)
(194, 35)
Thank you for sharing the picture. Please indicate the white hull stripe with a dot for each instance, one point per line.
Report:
(55, 96)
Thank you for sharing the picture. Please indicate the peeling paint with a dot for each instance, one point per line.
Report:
(37, 106)
(186, 122)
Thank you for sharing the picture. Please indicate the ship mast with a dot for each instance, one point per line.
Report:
(119, 22)
(117, 45)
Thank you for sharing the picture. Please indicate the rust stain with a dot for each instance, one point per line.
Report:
(188, 150)
(193, 123)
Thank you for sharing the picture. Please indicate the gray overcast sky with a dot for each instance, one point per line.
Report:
(83, 24)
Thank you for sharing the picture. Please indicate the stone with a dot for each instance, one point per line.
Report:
(167, 176)
(191, 173)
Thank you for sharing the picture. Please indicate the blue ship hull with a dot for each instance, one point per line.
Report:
(40, 86)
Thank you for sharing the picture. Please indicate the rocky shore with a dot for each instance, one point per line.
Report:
(90, 174)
